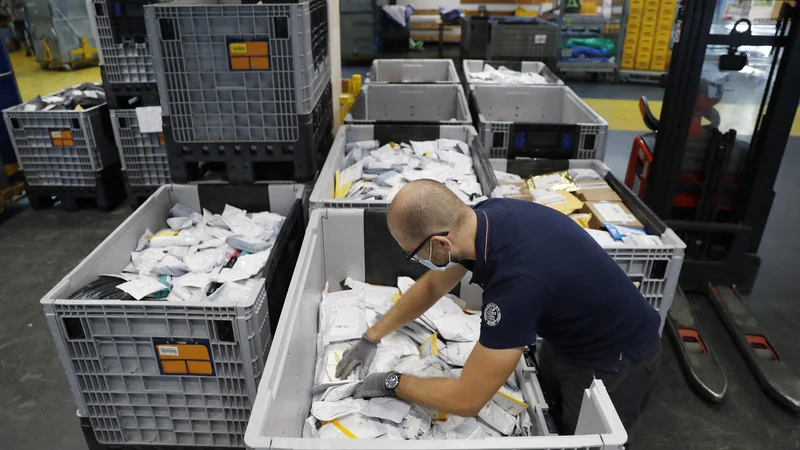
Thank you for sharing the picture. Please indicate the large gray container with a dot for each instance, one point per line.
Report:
(656, 269)
(62, 148)
(108, 348)
(234, 72)
(356, 243)
(423, 71)
(443, 104)
(322, 196)
(529, 121)
(143, 155)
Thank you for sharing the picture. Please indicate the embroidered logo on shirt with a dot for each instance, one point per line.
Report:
(492, 314)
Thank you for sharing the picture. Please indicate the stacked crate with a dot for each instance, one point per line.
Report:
(129, 81)
(245, 88)
(648, 34)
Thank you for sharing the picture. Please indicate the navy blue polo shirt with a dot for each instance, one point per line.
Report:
(543, 274)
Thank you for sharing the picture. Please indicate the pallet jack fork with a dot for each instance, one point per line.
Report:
(697, 358)
(775, 378)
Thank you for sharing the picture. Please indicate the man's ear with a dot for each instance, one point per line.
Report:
(444, 242)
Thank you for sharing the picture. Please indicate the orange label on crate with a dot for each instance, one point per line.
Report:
(184, 358)
(160, 138)
(249, 55)
(61, 138)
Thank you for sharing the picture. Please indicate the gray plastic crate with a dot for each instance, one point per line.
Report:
(322, 196)
(423, 71)
(655, 268)
(355, 243)
(143, 155)
(529, 121)
(444, 104)
(123, 46)
(476, 65)
(237, 72)
(62, 148)
(531, 39)
(108, 347)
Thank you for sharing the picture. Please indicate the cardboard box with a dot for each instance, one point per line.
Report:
(518, 191)
(596, 191)
(611, 212)
(568, 207)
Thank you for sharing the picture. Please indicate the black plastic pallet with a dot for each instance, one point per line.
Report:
(138, 194)
(249, 162)
(93, 444)
(129, 95)
(106, 194)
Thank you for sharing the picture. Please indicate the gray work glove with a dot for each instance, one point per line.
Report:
(357, 355)
(374, 386)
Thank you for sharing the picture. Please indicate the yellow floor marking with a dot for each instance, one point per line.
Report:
(33, 81)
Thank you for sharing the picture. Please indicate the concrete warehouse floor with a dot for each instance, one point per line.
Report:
(38, 248)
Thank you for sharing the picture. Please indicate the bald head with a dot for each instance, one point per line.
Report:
(423, 208)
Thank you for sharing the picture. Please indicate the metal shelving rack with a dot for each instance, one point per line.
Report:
(590, 25)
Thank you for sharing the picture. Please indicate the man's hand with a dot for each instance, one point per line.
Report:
(374, 386)
(357, 355)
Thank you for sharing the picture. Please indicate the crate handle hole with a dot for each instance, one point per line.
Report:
(280, 27)
(659, 270)
(76, 123)
(589, 142)
(74, 328)
(224, 330)
(498, 138)
(123, 122)
(98, 10)
(168, 30)
(15, 124)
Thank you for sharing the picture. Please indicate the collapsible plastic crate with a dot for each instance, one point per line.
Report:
(248, 162)
(341, 243)
(443, 104)
(496, 37)
(123, 45)
(322, 196)
(654, 268)
(529, 121)
(422, 71)
(476, 65)
(113, 351)
(236, 72)
(143, 156)
(62, 148)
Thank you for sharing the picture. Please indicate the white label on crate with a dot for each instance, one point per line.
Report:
(149, 119)
(55, 134)
(540, 39)
(167, 351)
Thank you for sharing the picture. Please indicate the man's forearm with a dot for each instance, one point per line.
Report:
(413, 304)
(439, 394)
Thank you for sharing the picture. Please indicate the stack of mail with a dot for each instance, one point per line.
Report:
(437, 344)
(202, 256)
(375, 173)
(504, 75)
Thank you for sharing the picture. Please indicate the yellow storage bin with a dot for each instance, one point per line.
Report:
(669, 4)
(628, 63)
(636, 6)
(642, 64)
(645, 45)
(651, 6)
(647, 32)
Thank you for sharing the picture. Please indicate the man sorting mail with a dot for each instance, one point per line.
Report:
(541, 274)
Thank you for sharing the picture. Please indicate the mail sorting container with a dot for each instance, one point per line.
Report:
(529, 121)
(67, 154)
(113, 351)
(472, 66)
(323, 197)
(508, 37)
(143, 155)
(125, 61)
(356, 243)
(238, 71)
(424, 71)
(655, 269)
(407, 103)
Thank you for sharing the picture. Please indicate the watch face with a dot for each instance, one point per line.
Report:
(392, 380)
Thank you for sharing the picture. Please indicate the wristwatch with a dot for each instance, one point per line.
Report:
(392, 381)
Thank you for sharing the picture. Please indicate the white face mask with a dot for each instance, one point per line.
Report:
(430, 265)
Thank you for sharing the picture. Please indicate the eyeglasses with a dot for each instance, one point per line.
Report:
(413, 255)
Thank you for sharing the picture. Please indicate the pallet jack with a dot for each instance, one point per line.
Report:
(716, 191)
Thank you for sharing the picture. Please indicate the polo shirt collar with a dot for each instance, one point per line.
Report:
(481, 245)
